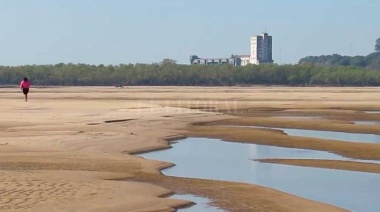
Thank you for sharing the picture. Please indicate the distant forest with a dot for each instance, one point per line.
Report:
(372, 61)
(189, 75)
(334, 70)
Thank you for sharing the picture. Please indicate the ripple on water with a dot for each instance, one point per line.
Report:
(217, 160)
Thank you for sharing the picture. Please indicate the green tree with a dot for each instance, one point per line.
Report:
(377, 45)
(168, 61)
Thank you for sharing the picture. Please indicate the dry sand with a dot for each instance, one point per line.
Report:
(61, 150)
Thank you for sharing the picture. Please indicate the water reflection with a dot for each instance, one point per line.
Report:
(214, 159)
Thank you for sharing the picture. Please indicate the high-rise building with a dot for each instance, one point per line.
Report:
(261, 49)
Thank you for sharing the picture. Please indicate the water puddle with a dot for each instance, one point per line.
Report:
(214, 159)
(372, 112)
(330, 135)
(367, 122)
(201, 204)
(298, 117)
(340, 136)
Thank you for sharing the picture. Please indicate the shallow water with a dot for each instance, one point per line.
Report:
(372, 112)
(367, 122)
(298, 117)
(340, 136)
(331, 135)
(202, 204)
(214, 159)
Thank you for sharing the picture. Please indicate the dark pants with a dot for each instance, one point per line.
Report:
(25, 90)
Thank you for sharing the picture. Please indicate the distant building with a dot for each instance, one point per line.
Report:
(261, 53)
(244, 59)
(261, 49)
(214, 61)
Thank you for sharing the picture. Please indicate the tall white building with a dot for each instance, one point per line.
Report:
(261, 49)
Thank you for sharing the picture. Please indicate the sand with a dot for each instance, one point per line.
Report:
(63, 150)
(328, 164)
(355, 150)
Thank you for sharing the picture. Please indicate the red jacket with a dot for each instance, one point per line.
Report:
(24, 84)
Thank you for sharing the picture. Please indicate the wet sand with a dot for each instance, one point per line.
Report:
(236, 196)
(63, 149)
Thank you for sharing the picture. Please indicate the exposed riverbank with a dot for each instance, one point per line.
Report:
(236, 196)
(72, 140)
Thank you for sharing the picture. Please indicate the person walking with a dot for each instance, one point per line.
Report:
(24, 86)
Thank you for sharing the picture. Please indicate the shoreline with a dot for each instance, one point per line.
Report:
(216, 201)
(269, 137)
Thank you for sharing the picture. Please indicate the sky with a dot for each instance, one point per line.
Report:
(147, 31)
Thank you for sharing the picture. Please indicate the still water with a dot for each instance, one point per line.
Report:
(331, 135)
(372, 112)
(340, 136)
(214, 159)
(202, 204)
(298, 117)
(367, 122)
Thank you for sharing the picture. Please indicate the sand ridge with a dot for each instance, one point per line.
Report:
(52, 159)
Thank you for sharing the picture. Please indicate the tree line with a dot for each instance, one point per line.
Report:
(190, 75)
(371, 61)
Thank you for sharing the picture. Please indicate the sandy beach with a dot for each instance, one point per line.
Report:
(71, 148)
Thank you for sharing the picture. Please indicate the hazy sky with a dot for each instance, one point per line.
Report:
(146, 31)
